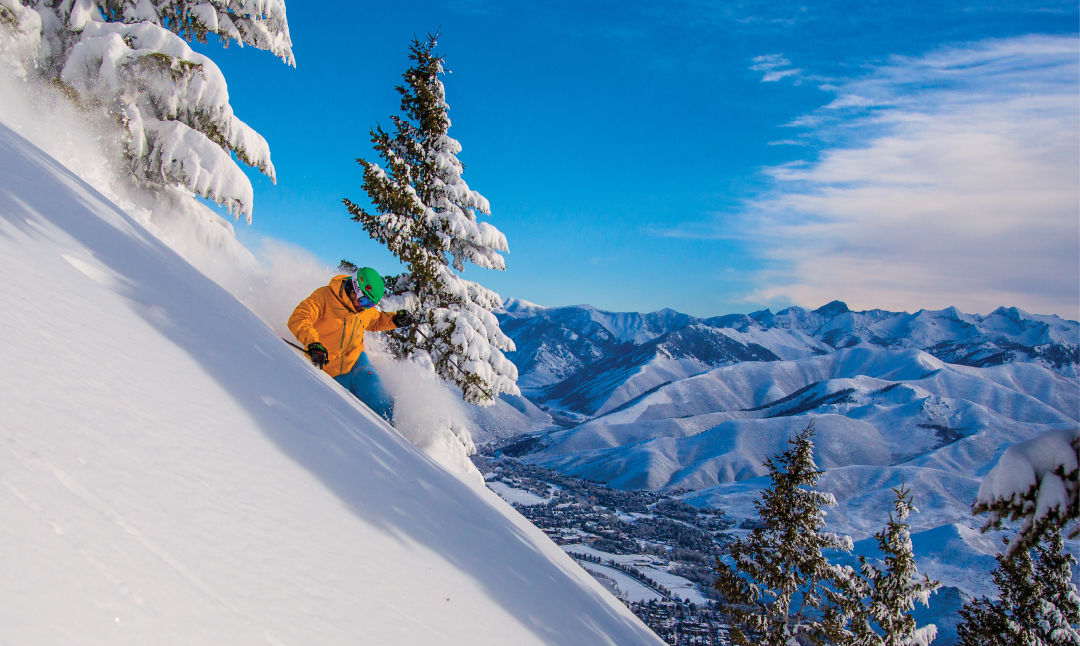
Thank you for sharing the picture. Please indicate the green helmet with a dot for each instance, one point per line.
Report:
(370, 283)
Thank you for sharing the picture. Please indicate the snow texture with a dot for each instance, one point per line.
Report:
(270, 284)
(172, 473)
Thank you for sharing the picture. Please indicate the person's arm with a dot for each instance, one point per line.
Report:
(302, 321)
(381, 322)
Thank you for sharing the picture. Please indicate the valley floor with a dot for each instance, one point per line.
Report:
(651, 550)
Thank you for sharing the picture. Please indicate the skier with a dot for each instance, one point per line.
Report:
(331, 323)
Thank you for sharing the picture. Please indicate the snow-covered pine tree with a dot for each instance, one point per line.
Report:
(128, 60)
(425, 214)
(1037, 605)
(1060, 606)
(1061, 600)
(780, 589)
(892, 590)
(1037, 483)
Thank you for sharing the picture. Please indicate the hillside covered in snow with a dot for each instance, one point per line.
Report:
(172, 473)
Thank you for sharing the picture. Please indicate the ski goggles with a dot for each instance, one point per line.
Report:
(354, 291)
(362, 300)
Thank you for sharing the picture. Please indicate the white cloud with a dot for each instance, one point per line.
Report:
(957, 184)
(775, 67)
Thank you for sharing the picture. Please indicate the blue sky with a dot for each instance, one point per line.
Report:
(711, 157)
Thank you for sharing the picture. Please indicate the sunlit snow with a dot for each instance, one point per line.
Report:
(172, 473)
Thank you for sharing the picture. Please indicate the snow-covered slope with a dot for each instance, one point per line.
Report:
(172, 473)
(510, 415)
(887, 389)
(881, 416)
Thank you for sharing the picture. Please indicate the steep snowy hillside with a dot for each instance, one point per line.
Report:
(509, 416)
(171, 473)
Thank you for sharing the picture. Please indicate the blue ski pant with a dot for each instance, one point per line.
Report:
(363, 382)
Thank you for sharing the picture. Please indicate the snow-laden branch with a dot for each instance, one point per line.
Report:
(1034, 482)
(128, 61)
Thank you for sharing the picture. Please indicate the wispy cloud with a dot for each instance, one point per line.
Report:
(956, 184)
(774, 66)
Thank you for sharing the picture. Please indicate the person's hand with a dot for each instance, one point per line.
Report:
(319, 355)
(402, 318)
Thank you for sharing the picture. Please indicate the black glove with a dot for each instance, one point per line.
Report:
(402, 318)
(319, 355)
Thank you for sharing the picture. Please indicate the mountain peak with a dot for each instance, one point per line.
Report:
(1012, 313)
(520, 305)
(834, 308)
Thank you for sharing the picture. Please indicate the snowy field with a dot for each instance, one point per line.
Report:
(629, 588)
(172, 473)
(516, 496)
(680, 587)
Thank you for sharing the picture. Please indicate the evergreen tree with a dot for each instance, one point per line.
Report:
(781, 589)
(892, 590)
(1060, 606)
(1037, 484)
(425, 214)
(128, 60)
(1037, 603)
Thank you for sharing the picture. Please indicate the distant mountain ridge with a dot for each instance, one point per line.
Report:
(578, 358)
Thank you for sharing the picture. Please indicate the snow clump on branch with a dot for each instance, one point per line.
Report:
(1034, 482)
(127, 61)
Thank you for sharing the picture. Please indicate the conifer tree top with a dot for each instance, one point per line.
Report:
(426, 215)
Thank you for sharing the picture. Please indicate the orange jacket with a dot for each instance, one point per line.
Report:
(328, 317)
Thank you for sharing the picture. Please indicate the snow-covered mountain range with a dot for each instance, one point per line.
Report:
(586, 361)
(172, 473)
(667, 401)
